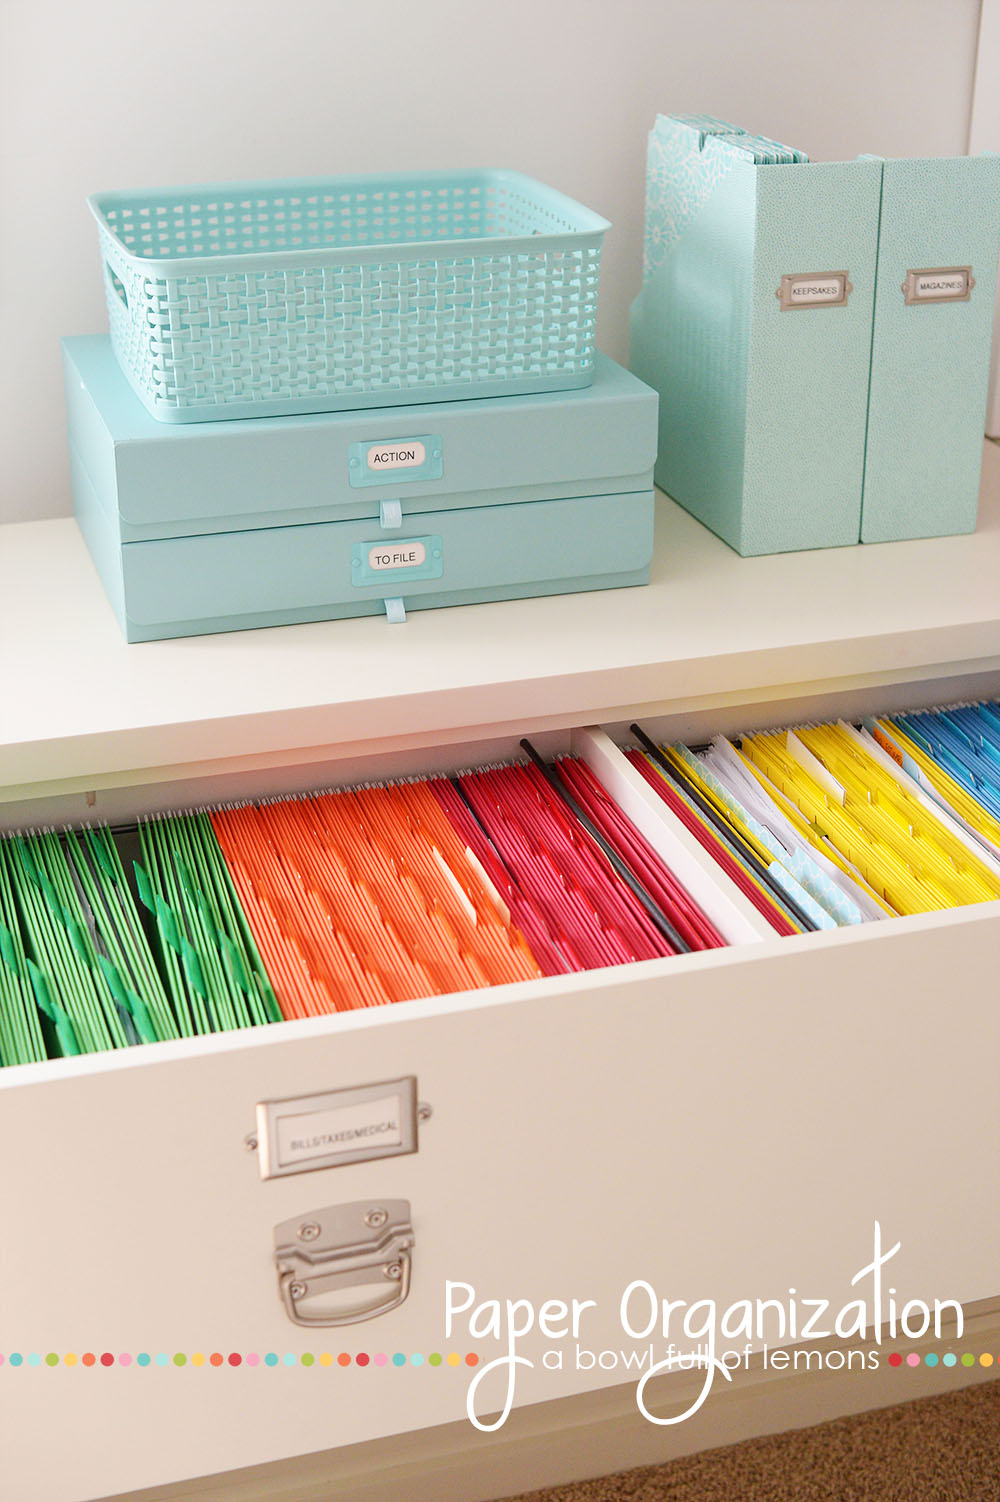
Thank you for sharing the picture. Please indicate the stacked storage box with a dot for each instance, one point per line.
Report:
(326, 399)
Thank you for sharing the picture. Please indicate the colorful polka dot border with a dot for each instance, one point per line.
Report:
(417, 1360)
(949, 1359)
(161, 1359)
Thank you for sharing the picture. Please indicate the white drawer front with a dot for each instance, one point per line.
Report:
(725, 1126)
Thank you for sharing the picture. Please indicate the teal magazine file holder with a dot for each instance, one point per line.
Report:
(938, 245)
(754, 325)
(799, 407)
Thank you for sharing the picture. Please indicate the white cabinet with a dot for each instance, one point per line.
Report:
(724, 1125)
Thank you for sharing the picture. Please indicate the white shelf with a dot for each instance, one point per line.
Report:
(78, 702)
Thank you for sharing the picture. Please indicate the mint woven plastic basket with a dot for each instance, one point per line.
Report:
(261, 299)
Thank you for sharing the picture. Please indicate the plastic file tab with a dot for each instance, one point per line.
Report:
(208, 922)
(822, 825)
(957, 754)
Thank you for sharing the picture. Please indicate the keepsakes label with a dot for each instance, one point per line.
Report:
(814, 289)
(939, 284)
(337, 1126)
(396, 456)
(397, 555)
(829, 290)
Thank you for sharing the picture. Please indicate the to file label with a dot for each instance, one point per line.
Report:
(392, 559)
(397, 555)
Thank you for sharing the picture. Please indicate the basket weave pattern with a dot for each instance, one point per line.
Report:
(340, 326)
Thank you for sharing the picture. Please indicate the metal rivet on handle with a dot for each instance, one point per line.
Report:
(392, 1270)
(309, 1231)
(376, 1218)
(298, 1290)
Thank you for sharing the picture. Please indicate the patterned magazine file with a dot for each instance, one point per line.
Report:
(937, 261)
(754, 324)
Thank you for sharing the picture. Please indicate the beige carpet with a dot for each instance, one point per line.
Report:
(944, 1449)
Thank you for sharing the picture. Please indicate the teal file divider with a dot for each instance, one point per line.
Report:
(763, 401)
(931, 352)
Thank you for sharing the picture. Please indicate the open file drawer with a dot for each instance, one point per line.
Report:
(726, 1125)
(778, 1090)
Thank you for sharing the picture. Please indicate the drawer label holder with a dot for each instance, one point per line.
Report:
(394, 460)
(325, 1259)
(387, 561)
(325, 1130)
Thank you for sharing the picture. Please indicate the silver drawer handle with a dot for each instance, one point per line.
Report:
(344, 1247)
(292, 1291)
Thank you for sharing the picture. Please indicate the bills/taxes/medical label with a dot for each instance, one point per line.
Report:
(337, 1126)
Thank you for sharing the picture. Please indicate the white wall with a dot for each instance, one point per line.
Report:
(984, 135)
(99, 94)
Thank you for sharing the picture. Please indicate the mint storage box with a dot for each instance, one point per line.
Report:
(223, 526)
(322, 295)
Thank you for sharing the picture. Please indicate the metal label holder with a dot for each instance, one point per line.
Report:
(333, 1127)
(938, 284)
(814, 289)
